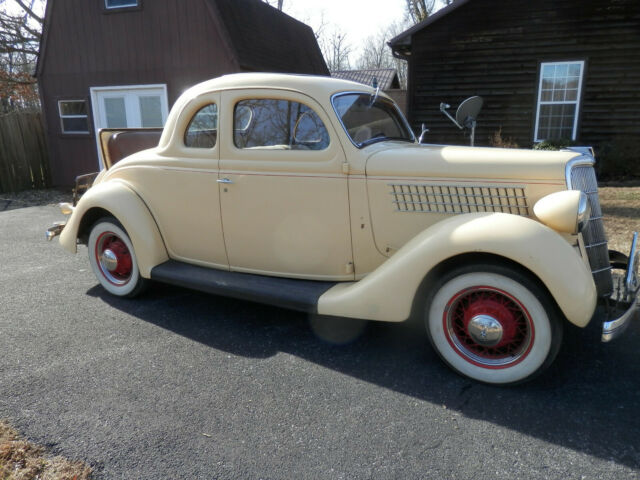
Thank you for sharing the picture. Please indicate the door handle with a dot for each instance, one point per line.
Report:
(224, 180)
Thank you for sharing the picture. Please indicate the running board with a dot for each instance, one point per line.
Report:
(301, 295)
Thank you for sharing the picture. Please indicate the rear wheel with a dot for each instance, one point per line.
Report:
(493, 324)
(113, 259)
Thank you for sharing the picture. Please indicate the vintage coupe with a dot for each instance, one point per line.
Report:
(312, 193)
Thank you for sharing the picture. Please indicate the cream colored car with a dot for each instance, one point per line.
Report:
(312, 193)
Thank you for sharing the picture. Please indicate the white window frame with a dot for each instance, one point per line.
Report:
(132, 3)
(565, 102)
(131, 114)
(62, 117)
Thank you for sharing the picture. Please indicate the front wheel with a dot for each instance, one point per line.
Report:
(493, 324)
(113, 259)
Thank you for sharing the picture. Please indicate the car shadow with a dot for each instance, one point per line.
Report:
(587, 401)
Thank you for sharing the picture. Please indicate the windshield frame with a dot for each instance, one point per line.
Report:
(371, 141)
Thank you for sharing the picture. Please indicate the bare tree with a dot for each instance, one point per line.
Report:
(336, 50)
(376, 53)
(418, 10)
(20, 31)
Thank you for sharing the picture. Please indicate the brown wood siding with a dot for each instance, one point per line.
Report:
(172, 42)
(494, 48)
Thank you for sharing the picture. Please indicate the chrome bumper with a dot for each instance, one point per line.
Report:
(628, 295)
(55, 230)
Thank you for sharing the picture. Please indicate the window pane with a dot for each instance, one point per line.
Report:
(202, 131)
(121, 3)
(75, 125)
(556, 121)
(548, 71)
(561, 70)
(572, 83)
(278, 123)
(116, 112)
(574, 69)
(73, 108)
(151, 111)
(558, 95)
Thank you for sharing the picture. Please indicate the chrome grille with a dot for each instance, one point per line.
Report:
(427, 198)
(583, 177)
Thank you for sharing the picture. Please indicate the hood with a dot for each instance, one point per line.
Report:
(440, 161)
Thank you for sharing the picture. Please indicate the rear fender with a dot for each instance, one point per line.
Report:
(387, 294)
(118, 199)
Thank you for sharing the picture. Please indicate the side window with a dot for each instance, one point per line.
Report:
(278, 124)
(202, 131)
(559, 100)
(110, 4)
(73, 116)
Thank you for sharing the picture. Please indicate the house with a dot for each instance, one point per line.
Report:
(547, 69)
(386, 78)
(122, 63)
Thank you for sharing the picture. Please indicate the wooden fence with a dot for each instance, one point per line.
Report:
(24, 163)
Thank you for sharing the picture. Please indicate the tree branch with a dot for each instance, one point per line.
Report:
(30, 12)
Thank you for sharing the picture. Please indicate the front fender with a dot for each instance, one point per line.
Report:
(387, 293)
(121, 201)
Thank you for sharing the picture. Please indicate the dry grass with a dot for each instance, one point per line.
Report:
(21, 460)
(621, 210)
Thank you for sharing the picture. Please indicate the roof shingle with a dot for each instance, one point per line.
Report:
(266, 39)
(387, 78)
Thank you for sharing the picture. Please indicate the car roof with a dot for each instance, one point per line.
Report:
(311, 84)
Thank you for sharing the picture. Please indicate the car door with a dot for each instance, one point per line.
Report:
(284, 196)
(179, 185)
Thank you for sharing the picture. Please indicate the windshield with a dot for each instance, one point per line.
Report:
(368, 119)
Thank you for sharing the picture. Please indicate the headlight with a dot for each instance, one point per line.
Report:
(567, 211)
(584, 211)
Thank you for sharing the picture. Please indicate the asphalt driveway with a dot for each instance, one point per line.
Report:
(179, 384)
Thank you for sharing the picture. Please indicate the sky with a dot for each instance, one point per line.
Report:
(359, 18)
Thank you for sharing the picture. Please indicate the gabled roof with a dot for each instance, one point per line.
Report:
(266, 39)
(262, 37)
(387, 77)
(402, 43)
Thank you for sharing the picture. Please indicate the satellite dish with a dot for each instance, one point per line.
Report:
(468, 111)
(466, 115)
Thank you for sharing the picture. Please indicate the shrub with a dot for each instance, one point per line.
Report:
(558, 144)
(496, 140)
(619, 158)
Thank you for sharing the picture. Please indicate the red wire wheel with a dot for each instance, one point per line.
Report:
(113, 258)
(488, 327)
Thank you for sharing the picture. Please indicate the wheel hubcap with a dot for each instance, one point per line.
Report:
(114, 259)
(488, 327)
(485, 330)
(109, 260)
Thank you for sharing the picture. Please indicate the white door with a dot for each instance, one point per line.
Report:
(138, 106)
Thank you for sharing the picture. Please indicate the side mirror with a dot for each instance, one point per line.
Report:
(308, 129)
(243, 118)
(423, 133)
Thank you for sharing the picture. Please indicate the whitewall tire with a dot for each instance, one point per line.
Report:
(113, 259)
(493, 324)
